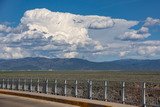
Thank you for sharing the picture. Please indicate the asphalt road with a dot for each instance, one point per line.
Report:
(15, 101)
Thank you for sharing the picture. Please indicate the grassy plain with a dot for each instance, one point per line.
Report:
(139, 76)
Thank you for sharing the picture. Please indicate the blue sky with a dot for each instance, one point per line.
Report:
(12, 11)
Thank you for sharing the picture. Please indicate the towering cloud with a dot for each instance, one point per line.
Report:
(66, 27)
(43, 33)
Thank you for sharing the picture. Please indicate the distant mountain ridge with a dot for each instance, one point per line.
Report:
(38, 63)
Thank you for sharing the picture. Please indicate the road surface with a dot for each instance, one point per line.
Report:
(15, 101)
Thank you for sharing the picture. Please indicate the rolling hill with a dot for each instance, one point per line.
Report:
(38, 63)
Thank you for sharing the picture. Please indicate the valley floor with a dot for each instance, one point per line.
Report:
(85, 75)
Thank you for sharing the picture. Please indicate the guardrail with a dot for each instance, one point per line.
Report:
(133, 93)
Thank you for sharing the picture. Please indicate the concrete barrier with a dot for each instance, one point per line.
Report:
(62, 99)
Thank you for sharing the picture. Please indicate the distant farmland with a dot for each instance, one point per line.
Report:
(85, 75)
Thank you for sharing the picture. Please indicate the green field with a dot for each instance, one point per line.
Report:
(85, 75)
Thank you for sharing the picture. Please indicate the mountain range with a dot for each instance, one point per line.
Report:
(39, 63)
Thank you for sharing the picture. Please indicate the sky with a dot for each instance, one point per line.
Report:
(96, 30)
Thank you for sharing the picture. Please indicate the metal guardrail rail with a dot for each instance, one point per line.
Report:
(133, 93)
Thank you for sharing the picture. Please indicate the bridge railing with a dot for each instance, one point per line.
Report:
(133, 93)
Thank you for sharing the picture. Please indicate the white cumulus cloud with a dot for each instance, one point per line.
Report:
(8, 52)
(135, 34)
(151, 22)
(43, 33)
(71, 55)
(4, 28)
(54, 32)
(148, 50)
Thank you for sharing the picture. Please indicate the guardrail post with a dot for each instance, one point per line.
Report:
(7, 86)
(16, 84)
(144, 94)
(46, 86)
(76, 88)
(6, 83)
(12, 84)
(0, 83)
(123, 92)
(37, 86)
(105, 90)
(24, 85)
(65, 87)
(55, 87)
(30, 86)
(3, 83)
(89, 89)
(18, 87)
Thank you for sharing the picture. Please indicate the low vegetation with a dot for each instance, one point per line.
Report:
(85, 75)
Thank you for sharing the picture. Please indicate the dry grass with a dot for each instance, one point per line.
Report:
(85, 75)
